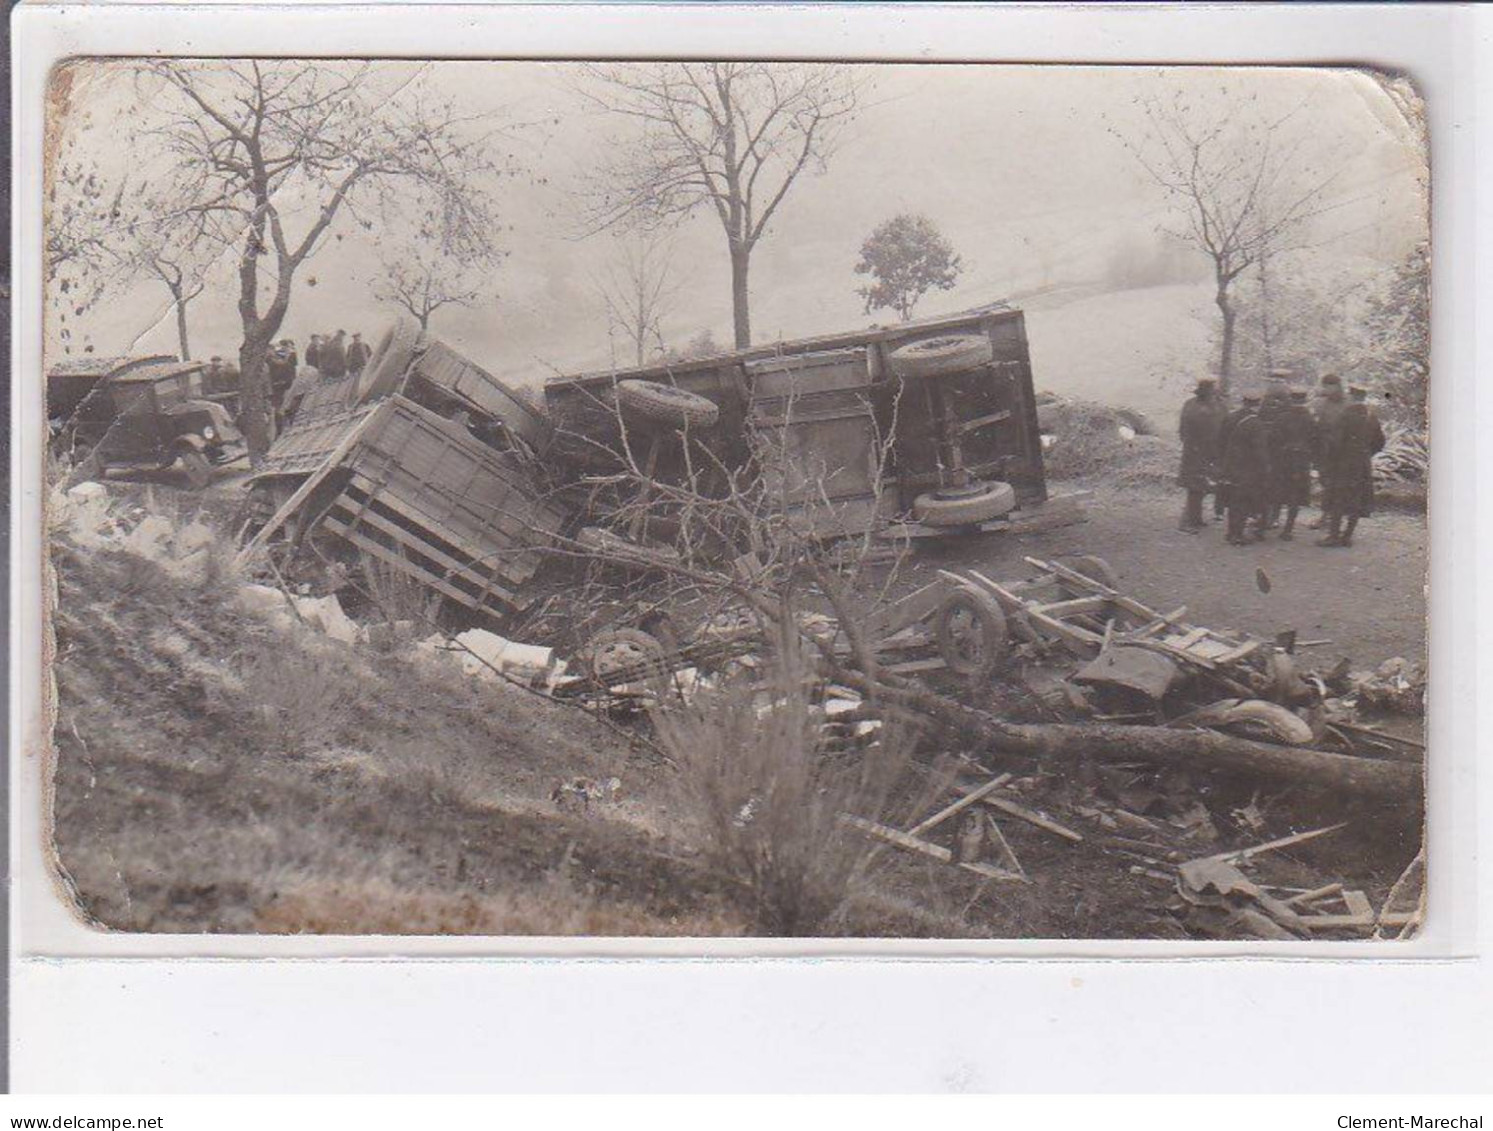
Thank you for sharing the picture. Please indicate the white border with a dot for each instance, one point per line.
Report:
(1440, 47)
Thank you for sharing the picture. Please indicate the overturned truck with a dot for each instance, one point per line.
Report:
(432, 465)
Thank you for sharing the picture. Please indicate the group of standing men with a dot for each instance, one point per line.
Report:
(332, 356)
(1257, 459)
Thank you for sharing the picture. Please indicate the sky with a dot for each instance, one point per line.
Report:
(1017, 165)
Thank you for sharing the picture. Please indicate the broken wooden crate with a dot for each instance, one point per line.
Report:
(420, 493)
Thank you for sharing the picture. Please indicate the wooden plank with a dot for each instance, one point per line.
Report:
(1272, 845)
(927, 848)
(293, 504)
(379, 550)
(983, 421)
(1012, 859)
(1078, 606)
(1358, 903)
(1021, 812)
(1166, 620)
(1069, 633)
(1073, 577)
(1237, 653)
(1187, 639)
(963, 803)
(905, 611)
(1306, 897)
(409, 538)
(526, 556)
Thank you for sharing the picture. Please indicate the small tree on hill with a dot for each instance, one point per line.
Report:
(906, 257)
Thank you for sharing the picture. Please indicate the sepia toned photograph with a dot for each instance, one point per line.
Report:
(732, 499)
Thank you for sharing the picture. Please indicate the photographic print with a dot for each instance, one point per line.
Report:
(737, 499)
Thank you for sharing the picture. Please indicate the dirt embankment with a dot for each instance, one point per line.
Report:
(218, 773)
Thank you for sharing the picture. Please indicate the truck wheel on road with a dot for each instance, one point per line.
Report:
(971, 631)
(964, 506)
(390, 358)
(198, 471)
(665, 404)
(937, 357)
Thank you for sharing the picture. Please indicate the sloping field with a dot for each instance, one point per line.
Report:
(1140, 349)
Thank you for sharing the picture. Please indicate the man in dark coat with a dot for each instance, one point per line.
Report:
(333, 357)
(1277, 399)
(313, 352)
(1293, 447)
(281, 363)
(358, 354)
(1347, 461)
(1246, 471)
(1202, 418)
(1231, 417)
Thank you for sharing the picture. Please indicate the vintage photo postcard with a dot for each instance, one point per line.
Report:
(733, 499)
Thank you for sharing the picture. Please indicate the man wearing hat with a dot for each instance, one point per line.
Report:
(1293, 447)
(1202, 420)
(1347, 463)
(333, 357)
(313, 352)
(281, 363)
(1246, 471)
(358, 354)
(1272, 408)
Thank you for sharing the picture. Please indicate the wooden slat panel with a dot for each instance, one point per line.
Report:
(515, 563)
(469, 570)
(394, 558)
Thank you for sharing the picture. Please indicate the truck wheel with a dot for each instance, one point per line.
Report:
(1094, 568)
(198, 471)
(626, 650)
(964, 506)
(386, 365)
(937, 357)
(971, 631)
(665, 404)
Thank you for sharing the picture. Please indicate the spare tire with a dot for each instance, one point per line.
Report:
(941, 355)
(388, 361)
(655, 402)
(964, 506)
(626, 651)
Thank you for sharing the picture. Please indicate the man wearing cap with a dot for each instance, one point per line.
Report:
(1202, 420)
(281, 363)
(333, 356)
(1347, 463)
(358, 354)
(1246, 471)
(313, 352)
(1293, 447)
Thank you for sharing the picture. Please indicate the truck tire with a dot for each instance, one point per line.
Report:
(628, 650)
(940, 356)
(964, 506)
(386, 365)
(970, 628)
(1094, 568)
(195, 466)
(658, 403)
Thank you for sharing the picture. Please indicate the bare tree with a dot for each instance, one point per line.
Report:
(1244, 187)
(734, 135)
(638, 287)
(423, 281)
(271, 154)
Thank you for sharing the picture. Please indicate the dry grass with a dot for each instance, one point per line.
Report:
(1090, 446)
(766, 798)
